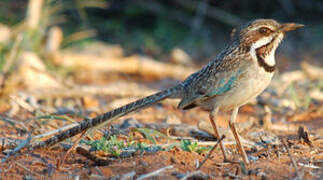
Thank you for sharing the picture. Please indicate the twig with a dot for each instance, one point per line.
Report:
(99, 171)
(267, 118)
(292, 159)
(194, 174)
(129, 65)
(8, 120)
(155, 173)
(30, 171)
(13, 123)
(181, 130)
(210, 152)
(6, 143)
(55, 131)
(233, 176)
(22, 103)
(264, 150)
(302, 134)
(75, 143)
(310, 166)
(50, 167)
(20, 146)
(98, 161)
(129, 175)
(284, 127)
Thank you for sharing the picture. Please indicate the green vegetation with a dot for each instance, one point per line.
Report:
(121, 148)
(187, 145)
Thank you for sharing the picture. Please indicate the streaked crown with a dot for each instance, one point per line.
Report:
(261, 37)
(261, 29)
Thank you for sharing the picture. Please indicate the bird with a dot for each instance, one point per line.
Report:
(239, 73)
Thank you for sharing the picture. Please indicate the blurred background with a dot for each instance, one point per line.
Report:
(57, 44)
(154, 28)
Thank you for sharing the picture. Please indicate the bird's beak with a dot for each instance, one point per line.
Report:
(289, 27)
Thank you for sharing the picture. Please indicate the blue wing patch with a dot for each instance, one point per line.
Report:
(223, 86)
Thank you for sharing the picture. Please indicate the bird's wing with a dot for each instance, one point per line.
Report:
(207, 87)
(216, 78)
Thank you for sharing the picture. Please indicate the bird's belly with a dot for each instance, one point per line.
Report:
(247, 88)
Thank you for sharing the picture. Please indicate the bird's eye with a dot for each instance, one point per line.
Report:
(264, 30)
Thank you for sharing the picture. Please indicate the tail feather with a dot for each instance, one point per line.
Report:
(109, 116)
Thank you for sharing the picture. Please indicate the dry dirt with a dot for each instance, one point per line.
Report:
(270, 164)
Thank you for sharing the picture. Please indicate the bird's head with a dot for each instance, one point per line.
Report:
(261, 38)
(262, 32)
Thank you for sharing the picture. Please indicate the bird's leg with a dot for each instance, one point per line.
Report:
(236, 135)
(213, 114)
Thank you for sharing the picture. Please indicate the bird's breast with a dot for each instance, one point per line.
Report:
(250, 84)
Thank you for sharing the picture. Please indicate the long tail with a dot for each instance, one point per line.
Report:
(109, 116)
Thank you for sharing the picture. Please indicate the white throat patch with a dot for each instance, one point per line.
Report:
(270, 59)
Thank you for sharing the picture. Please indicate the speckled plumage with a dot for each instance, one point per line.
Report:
(235, 58)
(239, 73)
